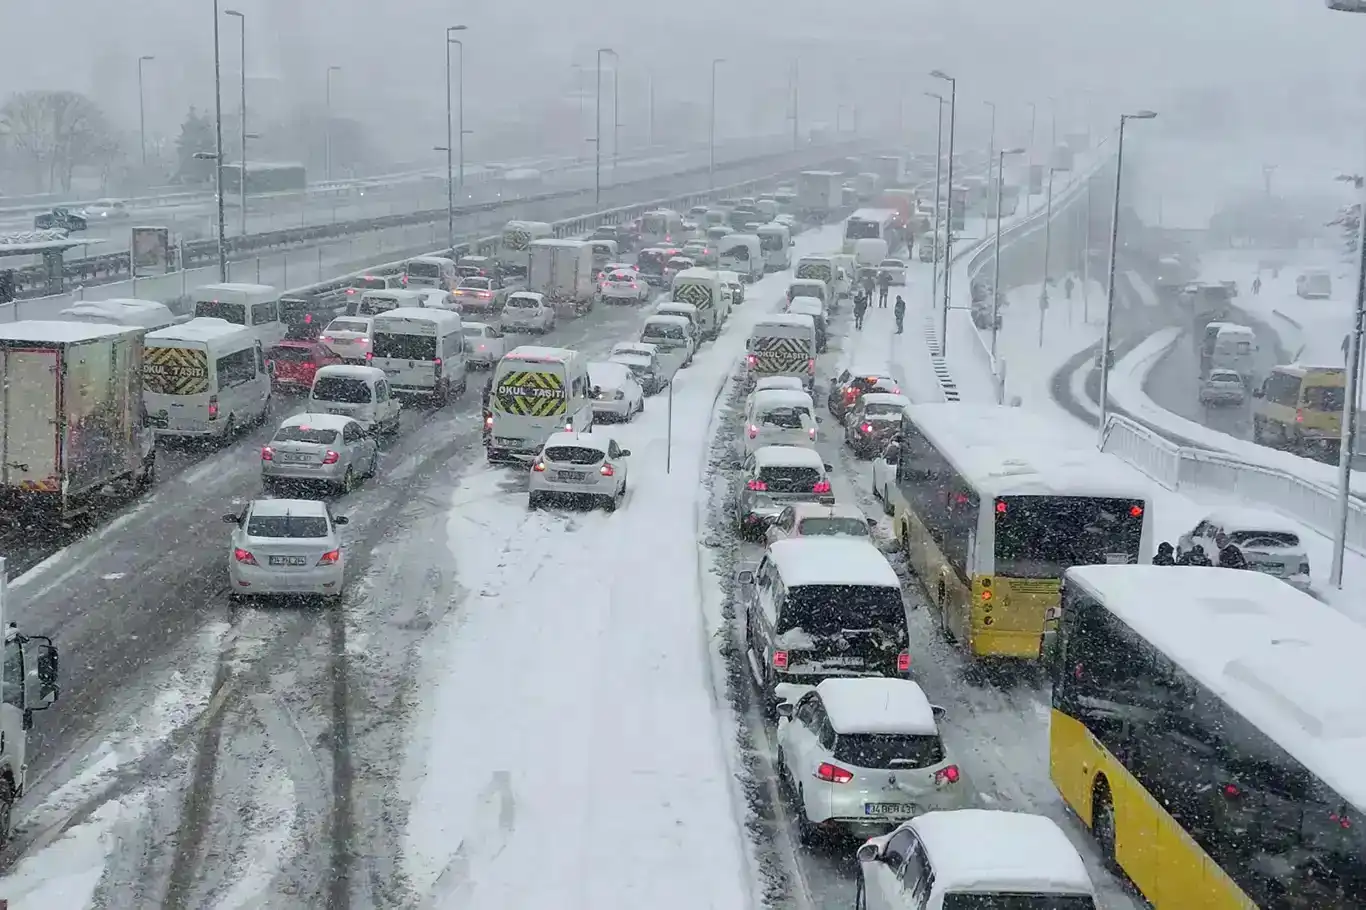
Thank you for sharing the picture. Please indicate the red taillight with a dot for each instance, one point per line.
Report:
(331, 457)
(822, 487)
(488, 422)
(1231, 791)
(811, 432)
(607, 470)
(811, 366)
(244, 556)
(485, 294)
(1342, 820)
(1299, 416)
(1136, 511)
(213, 407)
(947, 775)
(350, 290)
(850, 394)
(780, 660)
(369, 355)
(867, 428)
(833, 774)
(634, 286)
(757, 486)
(903, 662)
(437, 361)
(267, 453)
(538, 467)
(1000, 507)
(752, 360)
(752, 432)
(330, 558)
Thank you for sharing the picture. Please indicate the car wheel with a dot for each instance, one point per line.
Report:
(533, 500)
(806, 831)
(348, 482)
(374, 464)
(609, 503)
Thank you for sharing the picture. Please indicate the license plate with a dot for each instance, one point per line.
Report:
(841, 661)
(576, 476)
(1267, 568)
(288, 561)
(339, 410)
(886, 809)
(293, 457)
(507, 440)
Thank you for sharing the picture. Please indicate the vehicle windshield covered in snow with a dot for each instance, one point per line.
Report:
(828, 609)
(833, 526)
(341, 389)
(573, 454)
(785, 418)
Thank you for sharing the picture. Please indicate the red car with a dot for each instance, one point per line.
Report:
(293, 363)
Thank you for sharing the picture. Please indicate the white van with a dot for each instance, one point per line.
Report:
(775, 240)
(811, 287)
(146, 314)
(674, 338)
(730, 280)
(431, 272)
(743, 254)
(1235, 348)
(704, 290)
(537, 391)
(361, 393)
(661, 227)
(421, 351)
(679, 308)
(372, 303)
(783, 345)
(514, 246)
(255, 306)
(204, 377)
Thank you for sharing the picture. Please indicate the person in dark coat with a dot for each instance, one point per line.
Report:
(884, 283)
(860, 307)
(1195, 556)
(1230, 557)
(1165, 555)
(899, 311)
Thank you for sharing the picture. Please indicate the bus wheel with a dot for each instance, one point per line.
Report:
(1103, 822)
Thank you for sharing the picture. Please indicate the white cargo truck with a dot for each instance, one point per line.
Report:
(72, 421)
(819, 194)
(562, 272)
(513, 254)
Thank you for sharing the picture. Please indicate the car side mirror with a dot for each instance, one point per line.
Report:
(786, 709)
(828, 469)
(872, 522)
(869, 853)
(624, 453)
(340, 520)
(40, 683)
(232, 519)
(939, 711)
(745, 577)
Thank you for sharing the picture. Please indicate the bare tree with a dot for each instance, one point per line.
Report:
(54, 133)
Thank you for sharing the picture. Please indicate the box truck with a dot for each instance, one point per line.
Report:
(562, 272)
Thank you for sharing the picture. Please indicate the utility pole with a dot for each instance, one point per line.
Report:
(991, 153)
(142, 113)
(711, 132)
(327, 131)
(796, 103)
(934, 229)
(616, 118)
(652, 109)
(450, 143)
(597, 131)
(1047, 253)
(242, 160)
(218, 148)
(996, 280)
(948, 211)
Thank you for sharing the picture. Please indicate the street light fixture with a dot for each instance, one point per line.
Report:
(218, 148)
(934, 231)
(449, 147)
(142, 113)
(996, 271)
(327, 129)
(242, 162)
(1047, 250)
(597, 131)
(1110, 281)
(711, 132)
(948, 211)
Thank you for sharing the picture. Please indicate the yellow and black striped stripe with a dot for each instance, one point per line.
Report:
(175, 371)
(777, 355)
(699, 295)
(530, 393)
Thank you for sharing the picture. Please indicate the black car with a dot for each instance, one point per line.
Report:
(851, 385)
(59, 220)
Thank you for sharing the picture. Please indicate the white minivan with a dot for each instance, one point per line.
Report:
(421, 351)
(206, 377)
(703, 289)
(361, 393)
(742, 254)
(431, 272)
(254, 306)
(147, 314)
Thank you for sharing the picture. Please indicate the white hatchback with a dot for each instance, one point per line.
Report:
(583, 466)
(624, 286)
(617, 396)
(327, 449)
(349, 337)
(895, 269)
(1268, 542)
(527, 312)
(485, 345)
(283, 547)
(778, 417)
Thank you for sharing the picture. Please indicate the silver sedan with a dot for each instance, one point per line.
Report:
(328, 449)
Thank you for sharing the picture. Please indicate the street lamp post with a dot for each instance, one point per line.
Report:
(1029, 195)
(597, 130)
(142, 113)
(1047, 252)
(242, 161)
(327, 128)
(948, 211)
(218, 149)
(934, 230)
(450, 143)
(991, 145)
(711, 131)
(996, 273)
(1110, 280)
(578, 91)
(616, 118)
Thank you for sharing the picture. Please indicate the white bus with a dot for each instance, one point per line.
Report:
(992, 505)
(256, 306)
(873, 224)
(660, 227)
(537, 391)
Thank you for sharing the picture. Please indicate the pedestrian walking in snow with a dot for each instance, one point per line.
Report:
(900, 312)
(884, 283)
(1256, 285)
(1068, 285)
(860, 307)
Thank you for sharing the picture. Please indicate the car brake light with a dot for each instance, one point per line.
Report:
(437, 361)
(850, 394)
(903, 662)
(1299, 416)
(811, 432)
(752, 432)
(330, 558)
(244, 556)
(867, 428)
(1231, 791)
(811, 366)
(780, 660)
(485, 294)
(369, 355)
(331, 457)
(1136, 511)
(752, 360)
(538, 466)
(607, 470)
(948, 775)
(821, 487)
(326, 339)
(267, 453)
(488, 422)
(833, 773)
(758, 486)
(213, 407)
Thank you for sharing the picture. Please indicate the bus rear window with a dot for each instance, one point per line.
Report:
(1042, 536)
(405, 347)
(217, 309)
(424, 270)
(1324, 398)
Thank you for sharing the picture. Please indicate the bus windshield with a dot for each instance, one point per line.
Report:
(1041, 536)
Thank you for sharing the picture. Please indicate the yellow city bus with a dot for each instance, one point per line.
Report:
(992, 504)
(1207, 725)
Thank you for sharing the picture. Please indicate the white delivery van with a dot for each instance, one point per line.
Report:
(679, 308)
(661, 227)
(431, 272)
(742, 254)
(821, 268)
(562, 272)
(783, 345)
(513, 254)
(421, 351)
(811, 287)
(361, 393)
(604, 251)
(673, 338)
(775, 240)
(536, 391)
(703, 289)
(146, 314)
(205, 377)
(1235, 348)
(372, 303)
(255, 306)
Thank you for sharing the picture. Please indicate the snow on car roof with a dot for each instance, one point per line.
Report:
(877, 705)
(589, 440)
(1240, 519)
(975, 849)
(56, 332)
(1037, 461)
(318, 421)
(900, 401)
(788, 457)
(240, 287)
(675, 304)
(802, 510)
(200, 328)
(769, 383)
(1286, 662)
(668, 319)
(781, 398)
(349, 371)
(831, 561)
(302, 507)
(786, 320)
(696, 273)
(608, 373)
(540, 354)
(802, 302)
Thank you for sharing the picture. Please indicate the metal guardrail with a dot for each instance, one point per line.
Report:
(110, 267)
